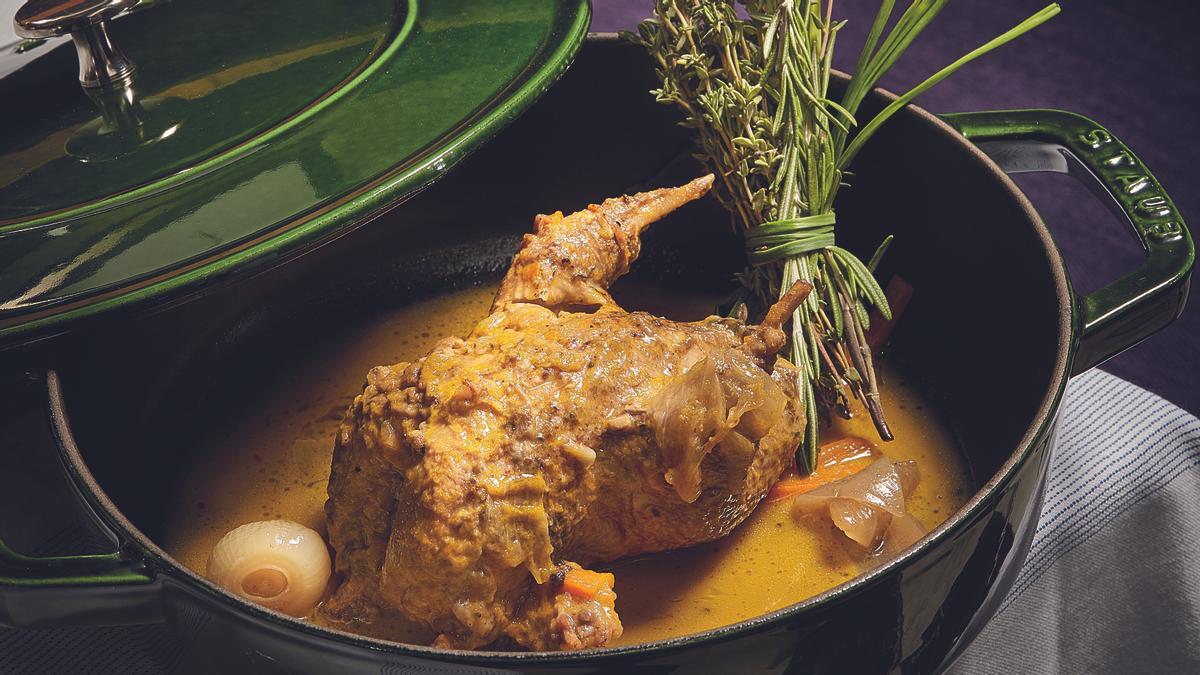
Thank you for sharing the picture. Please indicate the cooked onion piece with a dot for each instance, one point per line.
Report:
(275, 563)
(869, 507)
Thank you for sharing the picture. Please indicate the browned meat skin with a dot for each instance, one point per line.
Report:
(552, 618)
(569, 262)
(460, 481)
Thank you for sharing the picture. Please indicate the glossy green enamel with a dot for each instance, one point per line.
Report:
(385, 100)
(215, 81)
(80, 570)
(1141, 303)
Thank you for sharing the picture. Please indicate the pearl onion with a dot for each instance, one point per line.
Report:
(275, 563)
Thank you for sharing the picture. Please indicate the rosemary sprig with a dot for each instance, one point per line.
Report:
(756, 90)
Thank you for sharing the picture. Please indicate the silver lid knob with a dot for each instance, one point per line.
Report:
(101, 62)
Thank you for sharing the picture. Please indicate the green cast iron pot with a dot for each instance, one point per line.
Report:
(124, 399)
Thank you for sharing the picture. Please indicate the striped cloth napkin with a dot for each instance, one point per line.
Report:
(1111, 585)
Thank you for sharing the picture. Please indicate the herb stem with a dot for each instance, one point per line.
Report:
(755, 87)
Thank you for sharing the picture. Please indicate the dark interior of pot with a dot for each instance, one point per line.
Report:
(980, 337)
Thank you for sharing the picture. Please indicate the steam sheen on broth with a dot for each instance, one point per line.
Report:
(270, 460)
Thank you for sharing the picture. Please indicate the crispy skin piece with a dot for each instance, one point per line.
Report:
(462, 482)
(569, 262)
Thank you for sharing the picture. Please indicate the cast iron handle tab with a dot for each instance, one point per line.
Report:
(1141, 303)
(102, 588)
(101, 61)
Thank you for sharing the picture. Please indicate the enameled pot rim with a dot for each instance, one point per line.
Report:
(112, 518)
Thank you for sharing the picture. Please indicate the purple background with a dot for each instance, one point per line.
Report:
(1131, 65)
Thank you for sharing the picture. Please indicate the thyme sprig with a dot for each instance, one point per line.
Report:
(756, 91)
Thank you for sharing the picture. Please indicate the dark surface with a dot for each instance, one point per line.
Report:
(1131, 66)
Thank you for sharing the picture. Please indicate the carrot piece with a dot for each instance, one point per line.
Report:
(792, 486)
(836, 460)
(586, 584)
(898, 293)
(844, 450)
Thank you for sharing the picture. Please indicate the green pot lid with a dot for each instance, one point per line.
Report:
(245, 133)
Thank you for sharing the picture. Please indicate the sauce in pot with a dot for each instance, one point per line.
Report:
(269, 459)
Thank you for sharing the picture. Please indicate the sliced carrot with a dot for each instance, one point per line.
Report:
(844, 450)
(898, 293)
(836, 460)
(792, 486)
(586, 584)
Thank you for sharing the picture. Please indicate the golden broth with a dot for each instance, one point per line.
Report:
(269, 458)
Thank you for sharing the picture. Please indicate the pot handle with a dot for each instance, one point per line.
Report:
(106, 588)
(1139, 304)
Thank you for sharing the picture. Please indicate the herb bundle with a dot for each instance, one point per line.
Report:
(756, 91)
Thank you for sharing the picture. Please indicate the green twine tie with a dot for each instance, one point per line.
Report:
(789, 237)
